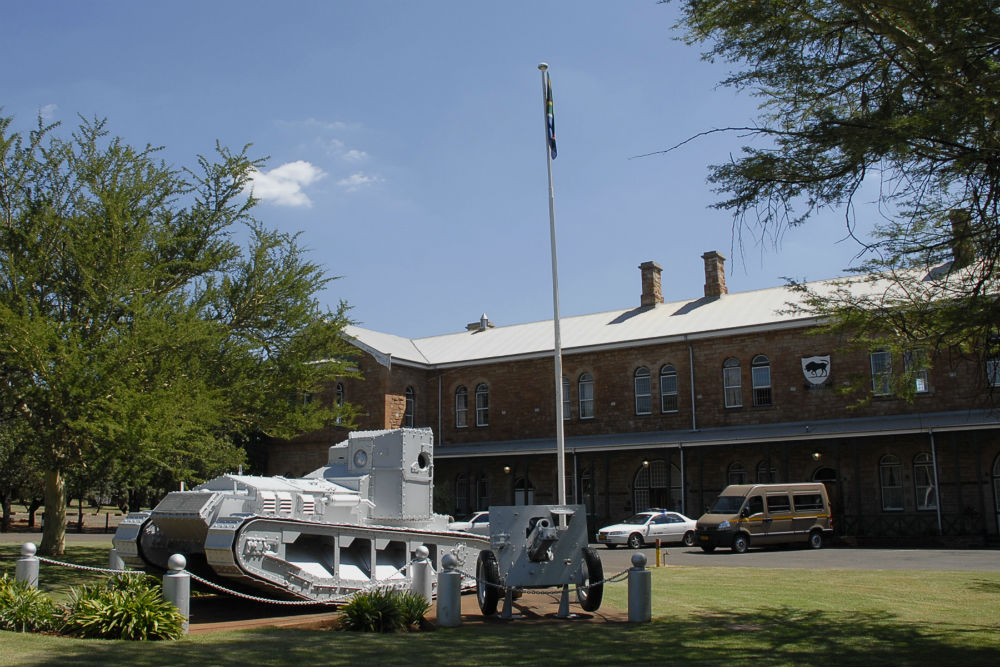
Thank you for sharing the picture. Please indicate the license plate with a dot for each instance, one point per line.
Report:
(703, 538)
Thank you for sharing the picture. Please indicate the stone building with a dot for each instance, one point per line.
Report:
(666, 403)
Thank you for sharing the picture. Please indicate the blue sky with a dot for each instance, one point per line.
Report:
(406, 141)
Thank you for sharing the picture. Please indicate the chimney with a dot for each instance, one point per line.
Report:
(715, 274)
(961, 239)
(652, 291)
(482, 325)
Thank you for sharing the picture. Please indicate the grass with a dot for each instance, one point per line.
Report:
(702, 616)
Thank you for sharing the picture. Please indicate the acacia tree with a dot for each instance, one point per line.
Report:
(895, 96)
(136, 334)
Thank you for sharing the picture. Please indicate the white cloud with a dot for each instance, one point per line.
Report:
(357, 181)
(48, 111)
(354, 155)
(284, 184)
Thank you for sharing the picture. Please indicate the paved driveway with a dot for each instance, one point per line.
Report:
(835, 558)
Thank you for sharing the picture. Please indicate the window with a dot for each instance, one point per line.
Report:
(461, 407)
(808, 501)
(567, 404)
(881, 372)
(891, 478)
(482, 405)
(778, 503)
(411, 399)
(923, 482)
(656, 484)
(737, 474)
(916, 368)
(339, 398)
(585, 391)
(524, 492)
(482, 492)
(643, 397)
(461, 495)
(760, 375)
(668, 388)
(766, 472)
(731, 383)
(993, 372)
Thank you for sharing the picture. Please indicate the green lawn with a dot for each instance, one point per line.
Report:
(731, 616)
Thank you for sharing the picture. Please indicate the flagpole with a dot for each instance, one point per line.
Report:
(557, 348)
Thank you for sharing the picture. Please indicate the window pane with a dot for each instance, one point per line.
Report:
(643, 397)
(586, 393)
(567, 404)
(482, 405)
(891, 476)
(881, 361)
(668, 389)
(732, 383)
(461, 407)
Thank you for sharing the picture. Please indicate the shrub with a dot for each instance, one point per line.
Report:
(23, 608)
(125, 607)
(382, 610)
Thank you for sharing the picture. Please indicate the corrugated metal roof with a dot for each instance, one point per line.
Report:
(665, 321)
(730, 435)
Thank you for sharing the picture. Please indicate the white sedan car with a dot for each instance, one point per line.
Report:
(478, 523)
(647, 527)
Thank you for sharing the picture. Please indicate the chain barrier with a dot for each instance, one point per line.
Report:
(613, 579)
(86, 568)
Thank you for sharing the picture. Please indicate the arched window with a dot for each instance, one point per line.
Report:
(737, 473)
(890, 473)
(656, 485)
(411, 404)
(461, 407)
(566, 402)
(482, 405)
(668, 388)
(462, 495)
(766, 472)
(732, 383)
(923, 482)
(643, 392)
(760, 375)
(585, 392)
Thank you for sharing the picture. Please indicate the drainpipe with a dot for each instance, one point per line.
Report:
(694, 420)
(440, 431)
(937, 489)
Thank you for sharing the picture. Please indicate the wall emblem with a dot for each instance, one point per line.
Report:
(816, 369)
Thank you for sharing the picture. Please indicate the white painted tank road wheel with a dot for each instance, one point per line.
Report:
(816, 539)
(487, 582)
(741, 543)
(689, 538)
(635, 541)
(590, 596)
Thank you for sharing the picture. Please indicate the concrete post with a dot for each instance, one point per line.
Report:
(26, 569)
(449, 598)
(115, 561)
(177, 587)
(640, 590)
(422, 575)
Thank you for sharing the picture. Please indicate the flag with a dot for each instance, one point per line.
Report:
(550, 119)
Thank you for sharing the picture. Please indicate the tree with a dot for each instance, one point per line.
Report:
(137, 336)
(896, 95)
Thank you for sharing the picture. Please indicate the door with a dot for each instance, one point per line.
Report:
(753, 519)
(779, 518)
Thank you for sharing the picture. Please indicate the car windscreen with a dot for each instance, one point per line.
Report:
(638, 519)
(726, 505)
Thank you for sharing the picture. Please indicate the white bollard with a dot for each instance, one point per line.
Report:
(640, 590)
(422, 574)
(449, 598)
(177, 587)
(115, 561)
(26, 569)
